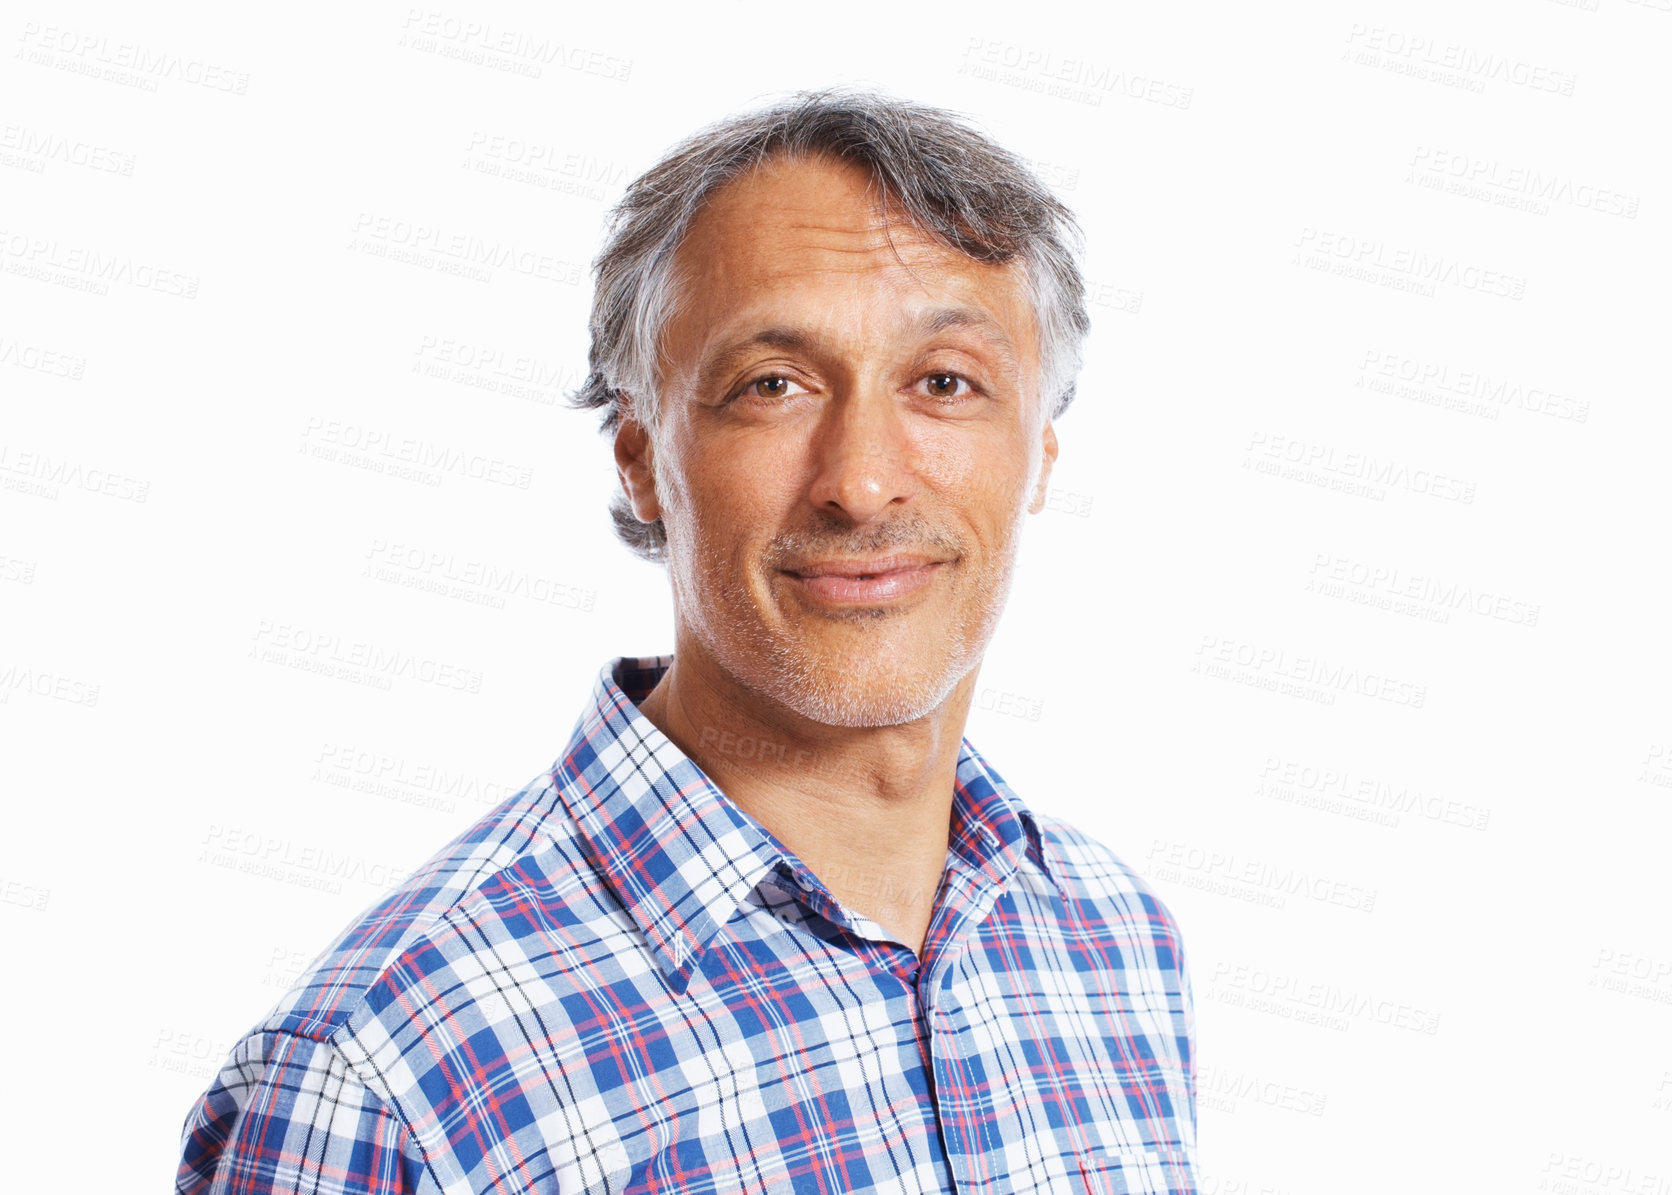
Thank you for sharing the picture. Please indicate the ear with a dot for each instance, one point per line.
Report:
(1049, 445)
(635, 467)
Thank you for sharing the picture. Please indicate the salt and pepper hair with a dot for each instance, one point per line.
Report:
(930, 169)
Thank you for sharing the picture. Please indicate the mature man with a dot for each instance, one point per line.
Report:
(770, 924)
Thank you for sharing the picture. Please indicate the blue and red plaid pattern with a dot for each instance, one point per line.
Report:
(619, 981)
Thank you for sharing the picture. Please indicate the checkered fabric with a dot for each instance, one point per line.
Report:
(619, 981)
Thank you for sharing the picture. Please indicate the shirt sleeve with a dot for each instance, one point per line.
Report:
(1188, 997)
(288, 1115)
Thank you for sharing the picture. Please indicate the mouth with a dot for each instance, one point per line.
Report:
(864, 582)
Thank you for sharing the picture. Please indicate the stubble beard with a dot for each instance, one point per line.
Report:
(870, 683)
(867, 688)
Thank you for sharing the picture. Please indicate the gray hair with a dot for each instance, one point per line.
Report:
(935, 171)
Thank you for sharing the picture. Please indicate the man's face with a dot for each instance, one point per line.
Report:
(850, 433)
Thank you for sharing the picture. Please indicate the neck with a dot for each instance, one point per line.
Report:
(869, 809)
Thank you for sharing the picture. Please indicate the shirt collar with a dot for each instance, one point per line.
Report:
(681, 856)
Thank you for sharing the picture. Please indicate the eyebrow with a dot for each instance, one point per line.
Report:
(964, 317)
(928, 324)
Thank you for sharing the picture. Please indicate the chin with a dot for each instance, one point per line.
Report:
(876, 689)
(858, 667)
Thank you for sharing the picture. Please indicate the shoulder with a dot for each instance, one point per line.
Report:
(1108, 893)
(308, 1092)
(400, 931)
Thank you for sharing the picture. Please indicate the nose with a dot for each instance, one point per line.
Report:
(865, 460)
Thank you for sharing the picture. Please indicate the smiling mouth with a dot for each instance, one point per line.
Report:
(864, 582)
(876, 567)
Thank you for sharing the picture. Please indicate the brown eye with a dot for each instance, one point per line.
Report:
(770, 387)
(943, 385)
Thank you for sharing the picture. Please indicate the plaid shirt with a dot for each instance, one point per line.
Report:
(619, 981)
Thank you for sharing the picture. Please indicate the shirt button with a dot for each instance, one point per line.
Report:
(805, 884)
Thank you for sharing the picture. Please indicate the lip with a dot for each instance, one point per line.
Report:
(871, 582)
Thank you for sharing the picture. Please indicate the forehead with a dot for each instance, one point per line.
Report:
(812, 232)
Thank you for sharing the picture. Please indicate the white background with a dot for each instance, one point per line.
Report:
(1346, 624)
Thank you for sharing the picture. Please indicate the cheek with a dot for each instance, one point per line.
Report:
(695, 474)
(732, 500)
(747, 491)
(987, 476)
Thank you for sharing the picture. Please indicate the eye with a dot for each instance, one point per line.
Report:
(947, 385)
(773, 387)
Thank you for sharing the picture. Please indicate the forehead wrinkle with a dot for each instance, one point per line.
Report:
(845, 251)
(875, 232)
